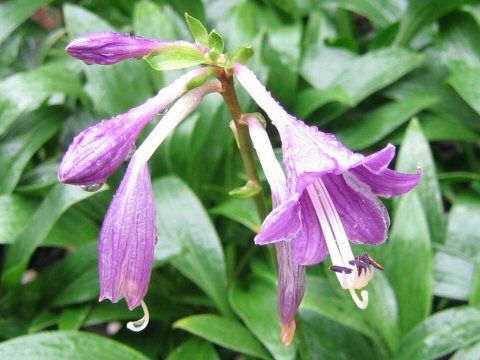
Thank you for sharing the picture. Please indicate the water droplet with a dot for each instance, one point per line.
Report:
(131, 152)
(92, 187)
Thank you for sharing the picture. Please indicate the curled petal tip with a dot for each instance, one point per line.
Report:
(288, 333)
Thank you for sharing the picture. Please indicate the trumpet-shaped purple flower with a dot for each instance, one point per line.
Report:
(291, 276)
(127, 238)
(128, 235)
(106, 48)
(333, 195)
(98, 151)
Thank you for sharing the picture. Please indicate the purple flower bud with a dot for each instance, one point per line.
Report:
(127, 238)
(99, 150)
(106, 48)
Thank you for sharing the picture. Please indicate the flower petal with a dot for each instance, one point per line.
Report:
(380, 160)
(282, 224)
(106, 48)
(363, 215)
(291, 288)
(98, 151)
(309, 246)
(388, 182)
(127, 239)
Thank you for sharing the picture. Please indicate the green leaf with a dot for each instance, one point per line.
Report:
(453, 276)
(15, 12)
(215, 41)
(464, 80)
(409, 262)
(26, 91)
(58, 200)
(441, 334)
(15, 211)
(113, 88)
(459, 35)
(198, 30)
(19, 144)
(382, 311)
(443, 128)
(333, 62)
(462, 232)
(173, 57)
(421, 13)
(66, 345)
(475, 296)
(224, 332)
(182, 221)
(254, 302)
(380, 13)
(193, 349)
(379, 68)
(238, 210)
(326, 339)
(415, 152)
(61, 281)
(467, 353)
(322, 299)
(382, 121)
(311, 99)
(153, 21)
(73, 318)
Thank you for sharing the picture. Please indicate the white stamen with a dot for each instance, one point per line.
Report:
(338, 245)
(142, 323)
(363, 303)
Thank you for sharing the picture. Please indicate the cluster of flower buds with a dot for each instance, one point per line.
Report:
(326, 200)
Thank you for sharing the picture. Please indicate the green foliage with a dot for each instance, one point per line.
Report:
(372, 71)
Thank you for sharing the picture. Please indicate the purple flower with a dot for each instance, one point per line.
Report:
(333, 195)
(291, 276)
(106, 48)
(127, 238)
(98, 151)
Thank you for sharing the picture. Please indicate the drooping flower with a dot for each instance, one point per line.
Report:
(99, 150)
(333, 195)
(128, 237)
(291, 276)
(128, 234)
(106, 48)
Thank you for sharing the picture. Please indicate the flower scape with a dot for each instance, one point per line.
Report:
(324, 198)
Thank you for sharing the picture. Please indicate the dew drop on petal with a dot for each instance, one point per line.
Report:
(92, 187)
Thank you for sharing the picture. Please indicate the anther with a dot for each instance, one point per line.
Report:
(340, 269)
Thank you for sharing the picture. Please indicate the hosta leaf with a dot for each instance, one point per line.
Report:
(66, 345)
(408, 265)
(415, 153)
(182, 220)
(59, 199)
(224, 332)
(440, 334)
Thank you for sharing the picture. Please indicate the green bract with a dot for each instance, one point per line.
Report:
(198, 30)
(175, 57)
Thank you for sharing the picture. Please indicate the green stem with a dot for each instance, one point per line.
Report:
(244, 141)
(246, 151)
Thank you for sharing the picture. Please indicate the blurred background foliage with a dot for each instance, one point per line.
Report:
(371, 71)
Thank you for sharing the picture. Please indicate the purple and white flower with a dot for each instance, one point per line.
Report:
(106, 48)
(99, 150)
(128, 234)
(291, 276)
(332, 195)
